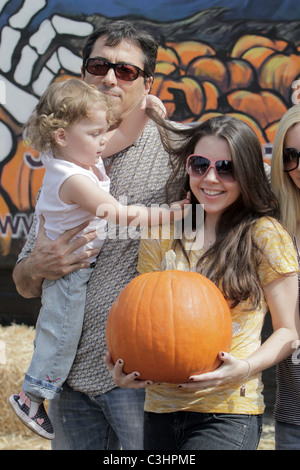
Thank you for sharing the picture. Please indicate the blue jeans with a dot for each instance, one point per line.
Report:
(105, 422)
(201, 431)
(287, 436)
(58, 332)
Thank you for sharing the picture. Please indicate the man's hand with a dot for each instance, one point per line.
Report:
(52, 259)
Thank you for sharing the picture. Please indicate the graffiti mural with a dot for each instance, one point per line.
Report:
(212, 59)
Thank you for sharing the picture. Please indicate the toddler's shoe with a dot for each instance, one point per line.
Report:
(32, 414)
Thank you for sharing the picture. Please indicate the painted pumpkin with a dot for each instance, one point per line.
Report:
(169, 325)
(265, 107)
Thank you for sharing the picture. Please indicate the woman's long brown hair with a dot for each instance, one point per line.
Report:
(232, 262)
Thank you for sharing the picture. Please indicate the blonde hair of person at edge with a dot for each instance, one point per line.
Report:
(286, 184)
(285, 180)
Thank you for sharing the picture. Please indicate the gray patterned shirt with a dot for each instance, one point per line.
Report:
(138, 176)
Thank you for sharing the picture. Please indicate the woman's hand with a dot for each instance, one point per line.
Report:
(124, 380)
(230, 370)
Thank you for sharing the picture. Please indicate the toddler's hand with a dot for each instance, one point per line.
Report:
(181, 208)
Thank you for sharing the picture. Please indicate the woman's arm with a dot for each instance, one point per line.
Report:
(282, 298)
(132, 126)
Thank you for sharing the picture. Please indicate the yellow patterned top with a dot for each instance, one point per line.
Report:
(279, 248)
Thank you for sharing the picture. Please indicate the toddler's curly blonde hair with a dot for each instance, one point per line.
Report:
(61, 106)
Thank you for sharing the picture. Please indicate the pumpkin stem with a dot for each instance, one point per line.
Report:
(169, 261)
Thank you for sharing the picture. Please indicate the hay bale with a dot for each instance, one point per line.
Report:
(16, 348)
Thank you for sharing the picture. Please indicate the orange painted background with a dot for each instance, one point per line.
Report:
(254, 82)
(254, 77)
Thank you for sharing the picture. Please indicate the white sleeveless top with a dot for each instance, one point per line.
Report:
(60, 216)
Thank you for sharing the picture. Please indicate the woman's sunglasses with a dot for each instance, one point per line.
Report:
(290, 159)
(100, 67)
(198, 166)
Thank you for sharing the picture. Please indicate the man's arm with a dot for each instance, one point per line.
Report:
(132, 126)
(51, 259)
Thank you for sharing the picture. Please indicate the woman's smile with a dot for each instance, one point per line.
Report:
(216, 194)
(211, 192)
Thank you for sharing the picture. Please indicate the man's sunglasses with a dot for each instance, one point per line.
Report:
(100, 67)
(197, 165)
(290, 159)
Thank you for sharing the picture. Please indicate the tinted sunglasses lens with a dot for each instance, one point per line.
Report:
(126, 72)
(97, 67)
(123, 71)
(224, 169)
(198, 166)
(290, 159)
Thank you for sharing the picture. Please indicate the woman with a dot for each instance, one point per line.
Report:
(285, 174)
(249, 256)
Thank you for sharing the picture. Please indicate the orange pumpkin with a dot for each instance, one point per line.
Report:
(243, 117)
(249, 41)
(279, 73)
(226, 76)
(257, 56)
(265, 107)
(169, 325)
(167, 54)
(189, 50)
(166, 88)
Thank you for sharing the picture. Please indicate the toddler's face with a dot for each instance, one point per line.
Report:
(84, 142)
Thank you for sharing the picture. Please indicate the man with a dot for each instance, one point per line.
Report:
(92, 413)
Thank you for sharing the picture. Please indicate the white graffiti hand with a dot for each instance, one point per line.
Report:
(30, 62)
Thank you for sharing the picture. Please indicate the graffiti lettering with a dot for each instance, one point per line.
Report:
(17, 225)
(32, 161)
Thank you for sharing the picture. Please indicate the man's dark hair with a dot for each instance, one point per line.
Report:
(120, 30)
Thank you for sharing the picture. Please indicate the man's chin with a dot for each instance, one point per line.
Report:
(111, 96)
